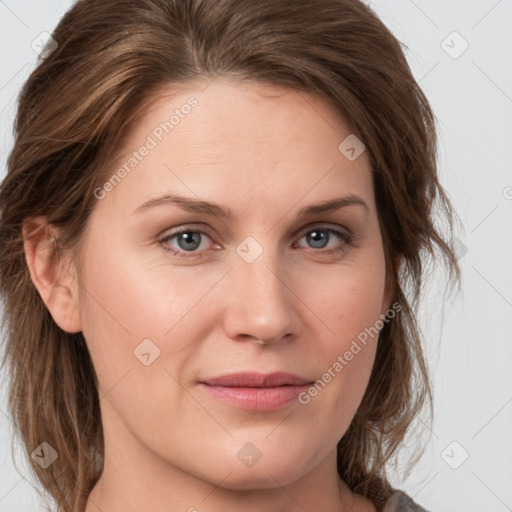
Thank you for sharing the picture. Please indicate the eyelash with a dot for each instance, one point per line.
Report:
(347, 238)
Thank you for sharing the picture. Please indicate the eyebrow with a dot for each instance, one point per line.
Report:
(197, 206)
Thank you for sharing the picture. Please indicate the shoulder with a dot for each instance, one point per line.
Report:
(398, 501)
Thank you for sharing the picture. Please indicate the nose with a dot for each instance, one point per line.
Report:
(260, 303)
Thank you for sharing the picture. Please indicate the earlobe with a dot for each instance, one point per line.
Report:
(56, 285)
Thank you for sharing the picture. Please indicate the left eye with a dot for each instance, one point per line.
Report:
(320, 236)
(190, 240)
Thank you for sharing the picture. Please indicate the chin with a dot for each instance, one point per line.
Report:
(268, 472)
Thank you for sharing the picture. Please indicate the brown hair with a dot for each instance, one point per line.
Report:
(112, 57)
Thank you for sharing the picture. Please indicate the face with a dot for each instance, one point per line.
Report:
(178, 294)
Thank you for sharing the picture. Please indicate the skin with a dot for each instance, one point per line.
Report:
(265, 153)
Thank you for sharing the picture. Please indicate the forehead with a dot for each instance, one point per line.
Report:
(252, 140)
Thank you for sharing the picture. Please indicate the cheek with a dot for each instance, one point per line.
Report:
(348, 298)
(126, 318)
(348, 304)
(349, 350)
(129, 301)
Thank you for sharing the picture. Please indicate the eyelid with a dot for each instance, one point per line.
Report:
(200, 227)
(323, 225)
(206, 229)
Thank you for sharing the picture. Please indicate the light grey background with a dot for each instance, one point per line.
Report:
(471, 355)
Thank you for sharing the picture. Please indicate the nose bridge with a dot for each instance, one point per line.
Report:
(261, 305)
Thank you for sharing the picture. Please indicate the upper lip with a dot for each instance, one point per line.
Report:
(256, 380)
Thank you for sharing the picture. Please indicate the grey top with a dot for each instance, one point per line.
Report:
(398, 501)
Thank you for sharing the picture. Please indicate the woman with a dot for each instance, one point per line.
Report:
(212, 213)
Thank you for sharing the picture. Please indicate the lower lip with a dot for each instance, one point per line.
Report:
(256, 399)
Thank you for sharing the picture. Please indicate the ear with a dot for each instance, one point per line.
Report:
(54, 279)
(389, 291)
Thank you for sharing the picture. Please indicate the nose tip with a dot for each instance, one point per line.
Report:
(260, 306)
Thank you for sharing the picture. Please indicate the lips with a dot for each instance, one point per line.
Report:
(256, 391)
(257, 380)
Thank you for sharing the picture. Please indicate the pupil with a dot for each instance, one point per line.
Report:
(189, 238)
(318, 238)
